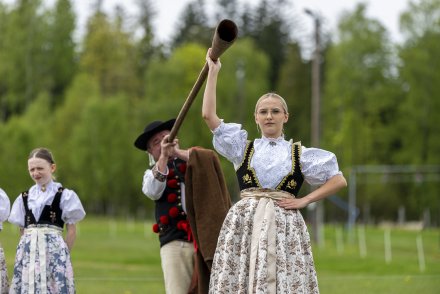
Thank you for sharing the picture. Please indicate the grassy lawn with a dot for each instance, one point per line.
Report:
(351, 266)
(120, 256)
(109, 256)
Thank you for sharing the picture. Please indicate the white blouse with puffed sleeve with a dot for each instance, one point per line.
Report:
(272, 157)
(5, 206)
(70, 204)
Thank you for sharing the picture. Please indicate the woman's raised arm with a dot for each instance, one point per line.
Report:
(209, 108)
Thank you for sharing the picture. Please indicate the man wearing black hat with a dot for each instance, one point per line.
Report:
(163, 182)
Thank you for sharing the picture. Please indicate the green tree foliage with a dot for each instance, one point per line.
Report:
(267, 24)
(272, 34)
(22, 134)
(241, 82)
(146, 47)
(3, 69)
(420, 61)
(109, 56)
(95, 150)
(23, 60)
(420, 105)
(101, 159)
(36, 53)
(171, 80)
(246, 24)
(294, 86)
(14, 177)
(227, 9)
(193, 26)
(68, 115)
(89, 103)
(357, 101)
(62, 64)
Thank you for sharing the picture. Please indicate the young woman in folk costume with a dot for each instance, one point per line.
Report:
(42, 262)
(264, 245)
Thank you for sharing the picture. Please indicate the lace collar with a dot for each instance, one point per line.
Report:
(272, 141)
(44, 188)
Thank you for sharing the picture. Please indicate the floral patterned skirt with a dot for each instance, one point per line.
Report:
(288, 269)
(4, 283)
(42, 264)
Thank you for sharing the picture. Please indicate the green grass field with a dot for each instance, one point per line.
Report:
(120, 256)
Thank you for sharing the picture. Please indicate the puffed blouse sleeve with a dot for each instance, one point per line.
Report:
(230, 141)
(73, 210)
(318, 165)
(16, 216)
(5, 206)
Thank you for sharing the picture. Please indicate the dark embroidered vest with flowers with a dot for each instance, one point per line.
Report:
(171, 221)
(51, 214)
(291, 183)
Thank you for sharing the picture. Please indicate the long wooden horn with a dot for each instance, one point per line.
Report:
(224, 36)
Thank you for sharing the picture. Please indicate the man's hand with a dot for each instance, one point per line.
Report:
(168, 149)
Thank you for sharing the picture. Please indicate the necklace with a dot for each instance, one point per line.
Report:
(43, 188)
(272, 143)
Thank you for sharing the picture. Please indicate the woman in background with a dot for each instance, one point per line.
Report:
(42, 261)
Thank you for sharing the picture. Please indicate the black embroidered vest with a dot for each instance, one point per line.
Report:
(291, 183)
(171, 220)
(51, 214)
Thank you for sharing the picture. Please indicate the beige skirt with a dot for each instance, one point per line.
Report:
(263, 248)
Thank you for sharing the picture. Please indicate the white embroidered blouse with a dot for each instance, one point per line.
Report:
(5, 206)
(70, 204)
(272, 157)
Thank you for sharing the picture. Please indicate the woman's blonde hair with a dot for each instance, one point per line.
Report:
(272, 95)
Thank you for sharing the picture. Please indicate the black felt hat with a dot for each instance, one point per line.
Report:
(151, 129)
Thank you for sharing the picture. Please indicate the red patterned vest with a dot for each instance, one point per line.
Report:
(171, 220)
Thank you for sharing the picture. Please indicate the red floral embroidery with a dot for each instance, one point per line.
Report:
(156, 228)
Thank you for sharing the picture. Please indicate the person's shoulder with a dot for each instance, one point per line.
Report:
(64, 190)
(3, 196)
(28, 190)
(67, 190)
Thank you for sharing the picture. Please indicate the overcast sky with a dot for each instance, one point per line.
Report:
(386, 11)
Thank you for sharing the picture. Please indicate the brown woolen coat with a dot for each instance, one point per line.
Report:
(207, 202)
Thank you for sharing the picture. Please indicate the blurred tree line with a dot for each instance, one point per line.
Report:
(88, 99)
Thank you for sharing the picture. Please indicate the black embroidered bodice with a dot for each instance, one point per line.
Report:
(51, 214)
(291, 183)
